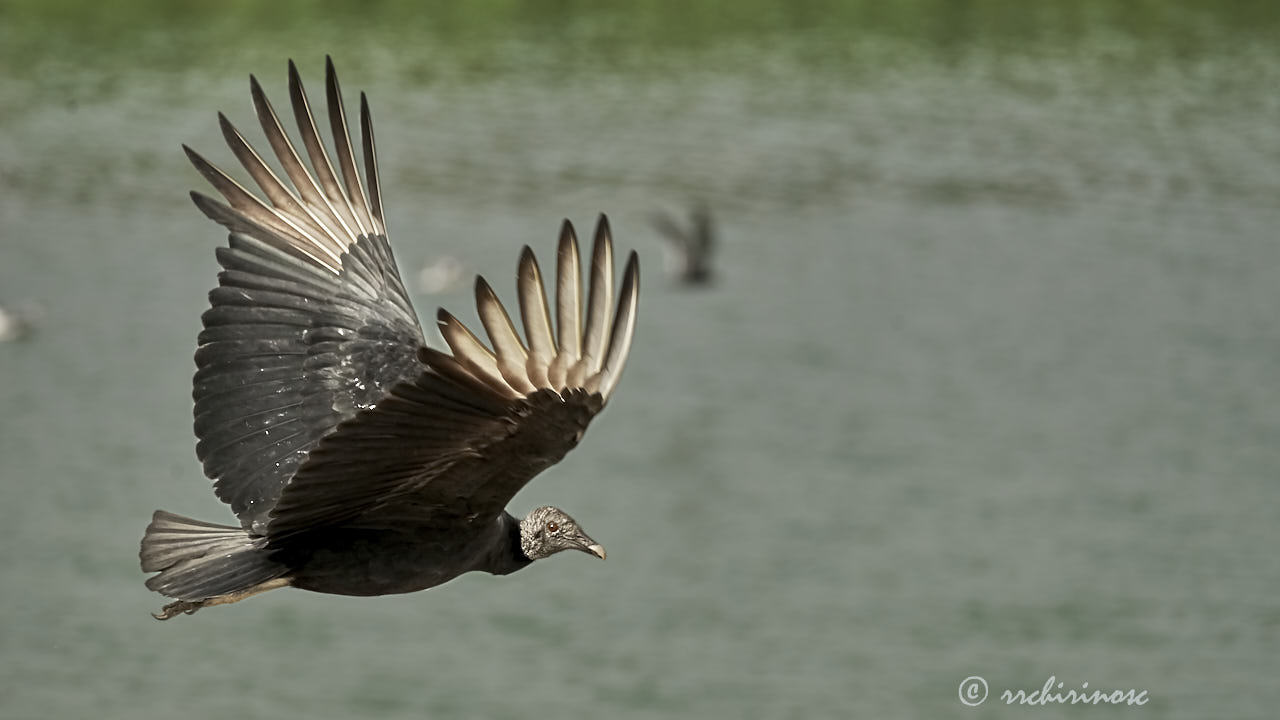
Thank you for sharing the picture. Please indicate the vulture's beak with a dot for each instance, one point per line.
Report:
(582, 541)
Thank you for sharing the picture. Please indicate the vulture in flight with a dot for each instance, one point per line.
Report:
(688, 249)
(359, 460)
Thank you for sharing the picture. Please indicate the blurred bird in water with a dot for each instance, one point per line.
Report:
(440, 276)
(687, 253)
(358, 460)
(18, 322)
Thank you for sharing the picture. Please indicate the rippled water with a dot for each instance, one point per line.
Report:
(987, 385)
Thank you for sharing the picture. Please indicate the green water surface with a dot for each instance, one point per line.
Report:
(989, 383)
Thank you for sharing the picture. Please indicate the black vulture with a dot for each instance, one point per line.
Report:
(359, 460)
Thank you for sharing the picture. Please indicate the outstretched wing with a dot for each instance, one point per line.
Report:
(468, 432)
(310, 323)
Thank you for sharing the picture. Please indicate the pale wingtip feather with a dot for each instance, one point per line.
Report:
(600, 294)
(510, 353)
(568, 307)
(599, 302)
(624, 327)
(536, 316)
(472, 354)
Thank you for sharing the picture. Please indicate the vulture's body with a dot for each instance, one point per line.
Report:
(358, 460)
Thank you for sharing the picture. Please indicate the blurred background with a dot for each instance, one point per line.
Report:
(985, 384)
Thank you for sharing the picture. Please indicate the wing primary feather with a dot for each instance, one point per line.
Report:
(315, 150)
(238, 222)
(511, 354)
(275, 190)
(302, 179)
(235, 193)
(599, 300)
(624, 328)
(449, 367)
(342, 145)
(472, 354)
(537, 319)
(371, 166)
(248, 205)
(568, 307)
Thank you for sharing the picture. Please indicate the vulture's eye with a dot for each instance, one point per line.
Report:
(552, 527)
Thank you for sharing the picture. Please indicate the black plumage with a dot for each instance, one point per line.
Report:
(358, 460)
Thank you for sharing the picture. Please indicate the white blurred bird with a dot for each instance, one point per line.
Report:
(17, 323)
(441, 276)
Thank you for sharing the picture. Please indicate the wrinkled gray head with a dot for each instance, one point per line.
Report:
(547, 530)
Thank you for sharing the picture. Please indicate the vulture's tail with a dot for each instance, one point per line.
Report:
(203, 564)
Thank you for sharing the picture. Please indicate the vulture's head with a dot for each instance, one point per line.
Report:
(547, 530)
